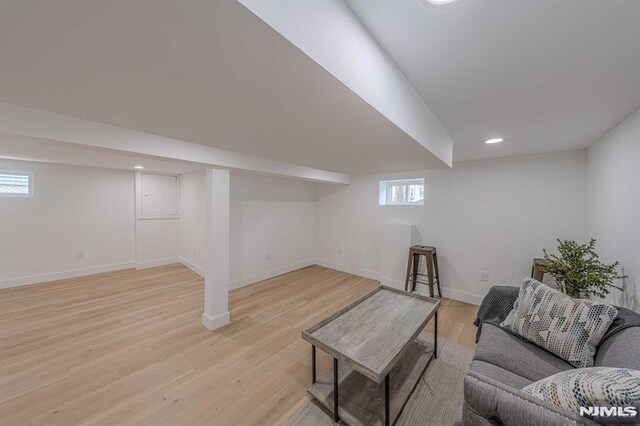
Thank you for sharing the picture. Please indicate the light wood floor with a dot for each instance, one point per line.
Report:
(128, 347)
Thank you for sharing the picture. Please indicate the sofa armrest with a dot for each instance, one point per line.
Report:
(496, 305)
(501, 404)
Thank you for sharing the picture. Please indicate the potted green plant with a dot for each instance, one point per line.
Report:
(579, 272)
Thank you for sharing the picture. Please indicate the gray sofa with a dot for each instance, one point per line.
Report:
(503, 364)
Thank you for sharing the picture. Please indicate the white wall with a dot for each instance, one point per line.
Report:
(157, 242)
(614, 203)
(493, 215)
(74, 209)
(490, 215)
(93, 210)
(270, 216)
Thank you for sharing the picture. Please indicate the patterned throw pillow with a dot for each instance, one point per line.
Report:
(589, 387)
(569, 328)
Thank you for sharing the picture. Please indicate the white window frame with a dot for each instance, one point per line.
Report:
(384, 198)
(23, 173)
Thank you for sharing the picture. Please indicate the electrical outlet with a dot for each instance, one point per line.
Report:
(80, 255)
(195, 253)
(484, 276)
(339, 251)
(268, 256)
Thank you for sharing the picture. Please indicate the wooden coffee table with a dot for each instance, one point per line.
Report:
(374, 340)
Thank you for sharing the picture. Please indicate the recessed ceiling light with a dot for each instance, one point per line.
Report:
(440, 2)
(139, 167)
(495, 140)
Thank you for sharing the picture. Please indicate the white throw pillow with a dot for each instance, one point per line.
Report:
(591, 387)
(567, 327)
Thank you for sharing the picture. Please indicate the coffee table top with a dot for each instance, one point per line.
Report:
(372, 333)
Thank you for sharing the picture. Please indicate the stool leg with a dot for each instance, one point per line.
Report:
(416, 266)
(430, 274)
(435, 263)
(406, 281)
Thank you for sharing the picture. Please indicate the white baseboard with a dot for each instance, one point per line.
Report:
(390, 282)
(217, 321)
(342, 268)
(55, 276)
(159, 262)
(198, 270)
(269, 274)
(461, 296)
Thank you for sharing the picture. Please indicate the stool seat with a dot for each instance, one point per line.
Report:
(413, 266)
(424, 250)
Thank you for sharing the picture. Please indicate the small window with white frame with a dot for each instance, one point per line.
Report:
(16, 183)
(402, 192)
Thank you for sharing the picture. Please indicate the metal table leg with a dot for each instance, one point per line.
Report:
(435, 338)
(313, 364)
(336, 417)
(387, 414)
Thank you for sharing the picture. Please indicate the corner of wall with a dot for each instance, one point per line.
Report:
(198, 270)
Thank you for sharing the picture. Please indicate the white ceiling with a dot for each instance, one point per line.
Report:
(208, 72)
(24, 149)
(546, 75)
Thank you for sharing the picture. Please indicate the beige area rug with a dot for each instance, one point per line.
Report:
(437, 399)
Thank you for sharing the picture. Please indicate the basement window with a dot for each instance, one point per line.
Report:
(16, 184)
(402, 192)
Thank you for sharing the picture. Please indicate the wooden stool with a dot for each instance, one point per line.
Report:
(433, 275)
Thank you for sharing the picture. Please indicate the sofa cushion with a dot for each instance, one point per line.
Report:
(502, 405)
(620, 350)
(522, 358)
(499, 374)
(471, 418)
(589, 387)
(567, 327)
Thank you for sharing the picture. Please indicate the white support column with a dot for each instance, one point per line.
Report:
(216, 282)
